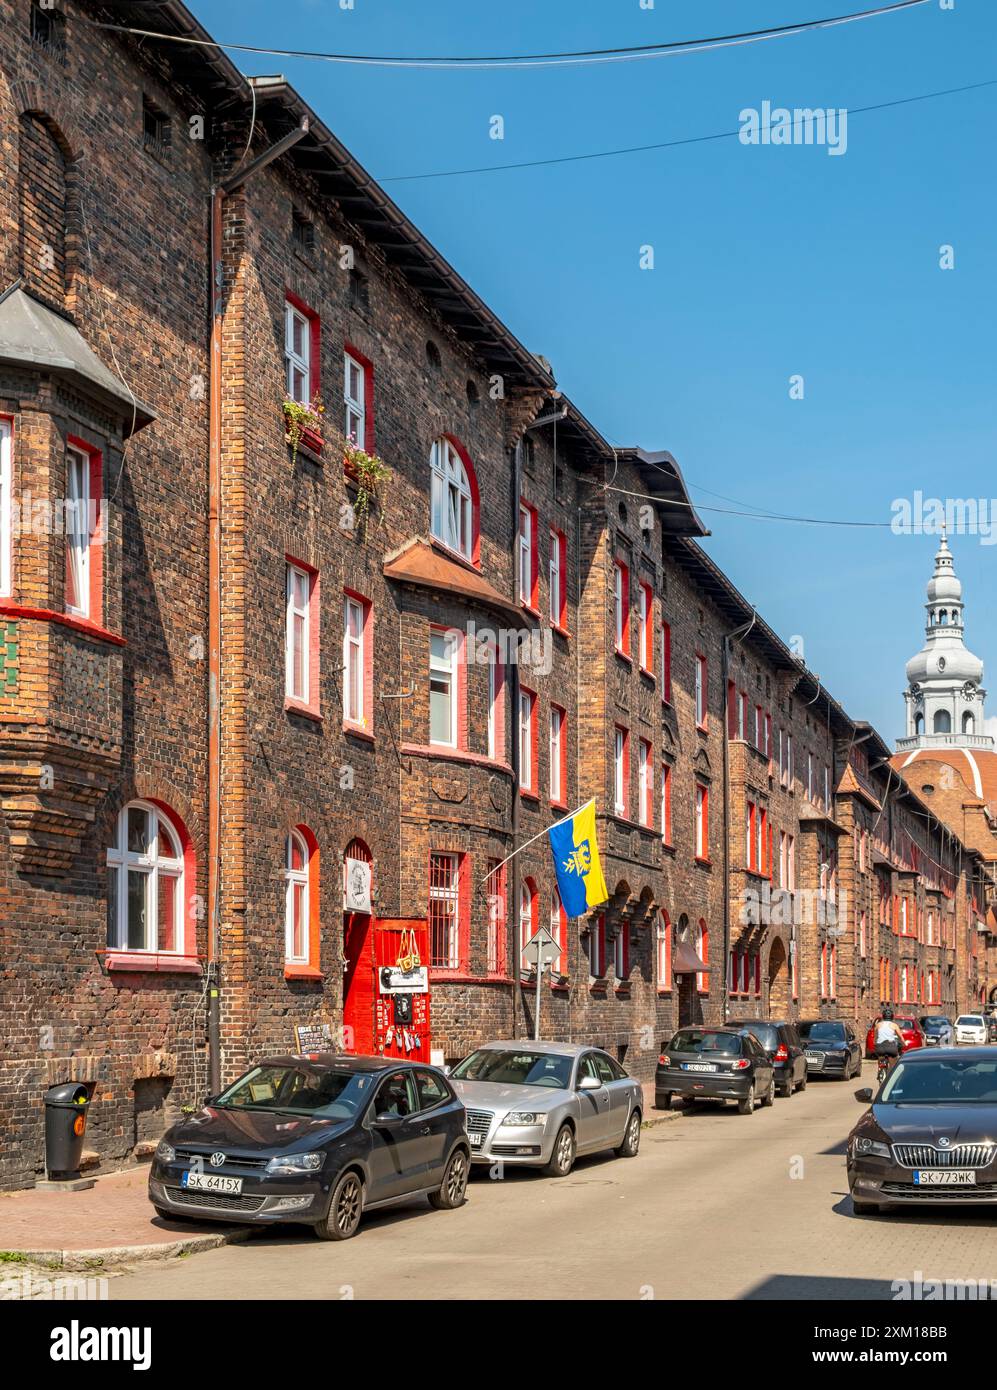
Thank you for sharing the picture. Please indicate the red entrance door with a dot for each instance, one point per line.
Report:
(359, 983)
(402, 1019)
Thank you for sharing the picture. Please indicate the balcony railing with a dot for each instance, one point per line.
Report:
(945, 741)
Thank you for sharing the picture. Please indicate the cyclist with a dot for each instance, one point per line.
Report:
(888, 1041)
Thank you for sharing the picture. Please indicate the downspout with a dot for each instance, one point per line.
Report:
(512, 945)
(740, 633)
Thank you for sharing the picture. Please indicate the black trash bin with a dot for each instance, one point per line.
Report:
(65, 1128)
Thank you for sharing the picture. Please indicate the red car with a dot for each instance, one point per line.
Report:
(913, 1033)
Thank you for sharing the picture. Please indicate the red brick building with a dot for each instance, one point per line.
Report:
(274, 707)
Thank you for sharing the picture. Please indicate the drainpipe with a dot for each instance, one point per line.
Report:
(218, 194)
(738, 633)
(513, 897)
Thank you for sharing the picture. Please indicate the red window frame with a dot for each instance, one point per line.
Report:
(528, 886)
(559, 612)
(367, 649)
(664, 962)
(368, 394)
(498, 909)
(95, 541)
(621, 608)
(646, 628)
(311, 706)
(645, 793)
(562, 750)
(621, 954)
(532, 605)
(532, 790)
(703, 979)
(463, 912)
(597, 947)
(624, 813)
(310, 968)
(666, 803)
(459, 688)
(702, 823)
(314, 345)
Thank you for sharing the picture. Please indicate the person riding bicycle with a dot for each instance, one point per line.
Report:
(888, 1041)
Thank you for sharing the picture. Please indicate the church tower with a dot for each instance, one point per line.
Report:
(945, 694)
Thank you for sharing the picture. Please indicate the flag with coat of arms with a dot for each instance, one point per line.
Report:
(576, 861)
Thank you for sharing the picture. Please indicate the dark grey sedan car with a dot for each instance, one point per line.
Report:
(715, 1064)
(318, 1139)
(831, 1048)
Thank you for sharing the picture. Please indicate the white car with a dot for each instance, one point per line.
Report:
(970, 1028)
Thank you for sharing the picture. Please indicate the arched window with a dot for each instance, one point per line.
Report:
(942, 722)
(453, 500)
(703, 952)
(358, 870)
(558, 930)
(968, 723)
(527, 917)
(301, 916)
(664, 951)
(145, 888)
(919, 724)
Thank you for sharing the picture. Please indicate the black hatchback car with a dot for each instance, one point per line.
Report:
(782, 1043)
(714, 1064)
(315, 1139)
(831, 1048)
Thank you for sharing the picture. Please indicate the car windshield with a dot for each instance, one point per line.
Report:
(945, 1081)
(818, 1032)
(516, 1068)
(766, 1033)
(934, 1025)
(970, 1020)
(703, 1040)
(324, 1094)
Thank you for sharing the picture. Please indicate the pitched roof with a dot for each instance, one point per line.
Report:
(422, 564)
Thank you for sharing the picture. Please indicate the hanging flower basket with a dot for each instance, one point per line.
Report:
(303, 425)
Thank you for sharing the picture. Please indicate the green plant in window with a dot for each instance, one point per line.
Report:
(299, 417)
(371, 475)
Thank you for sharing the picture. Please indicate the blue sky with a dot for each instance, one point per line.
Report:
(768, 262)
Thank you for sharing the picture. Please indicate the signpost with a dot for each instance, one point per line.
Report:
(541, 950)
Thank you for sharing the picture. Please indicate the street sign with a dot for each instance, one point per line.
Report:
(541, 947)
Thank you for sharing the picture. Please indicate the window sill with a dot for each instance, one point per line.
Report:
(86, 626)
(530, 608)
(310, 442)
(558, 805)
(154, 962)
(455, 755)
(454, 555)
(561, 631)
(527, 795)
(668, 845)
(622, 991)
(702, 729)
(302, 972)
(305, 711)
(358, 731)
(624, 656)
(646, 671)
(704, 863)
(440, 975)
(665, 993)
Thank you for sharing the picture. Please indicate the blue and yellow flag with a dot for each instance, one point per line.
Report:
(576, 862)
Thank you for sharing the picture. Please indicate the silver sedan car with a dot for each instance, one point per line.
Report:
(541, 1104)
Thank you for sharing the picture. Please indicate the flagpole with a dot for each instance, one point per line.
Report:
(537, 836)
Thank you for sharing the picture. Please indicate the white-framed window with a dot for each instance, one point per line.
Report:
(527, 770)
(620, 772)
(788, 779)
(645, 782)
(296, 908)
(527, 540)
(862, 935)
(77, 532)
(810, 776)
(666, 803)
(664, 940)
(6, 509)
(621, 606)
(557, 920)
(644, 645)
(145, 888)
(496, 688)
(702, 822)
(451, 505)
(298, 354)
(354, 673)
(701, 691)
(443, 688)
(354, 400)
(556, 579)
(297, 641)
(557, 790)
(527, 902)
(444, 911)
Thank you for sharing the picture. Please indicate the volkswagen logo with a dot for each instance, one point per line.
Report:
(217, 1160)
(943, 1141)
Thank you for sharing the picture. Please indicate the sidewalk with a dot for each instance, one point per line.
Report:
(113, 1222)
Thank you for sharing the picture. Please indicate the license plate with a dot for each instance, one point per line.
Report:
(475, 1140)
(955, 1177)
(699, 1066)
(815, 1059)
(210, 1182)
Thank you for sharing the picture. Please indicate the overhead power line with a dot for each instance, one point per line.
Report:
(570, 58)
(665, 144)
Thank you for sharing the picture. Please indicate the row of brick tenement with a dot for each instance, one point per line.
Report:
(450, 613)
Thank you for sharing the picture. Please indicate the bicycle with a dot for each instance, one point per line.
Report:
(886, 1060)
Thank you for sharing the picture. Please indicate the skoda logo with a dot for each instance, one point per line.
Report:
(217, 1160)
(944, 1143)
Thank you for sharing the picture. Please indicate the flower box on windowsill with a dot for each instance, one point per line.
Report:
(294, 971)
(309, 442)
(161, 962)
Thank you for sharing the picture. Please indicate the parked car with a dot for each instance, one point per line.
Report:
(782, 1043)
(726, 1063)
(991, 1022)
(830, 1047)
(913, 1034)
(937, 1030)
(544, 1103)
(928, 1137)
(317, 1140)
(971, 1028)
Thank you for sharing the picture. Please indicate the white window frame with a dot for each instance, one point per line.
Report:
(702, 830)
(700, 690)
(526, 932)
(355, 405)
(6, 509)
(618, 600)
(557, 792)
(619, 772)
(556, 908)
(353, 652)
(293, 611)
(526, 543)
(555, 578)
(152, 865)
(644, 611)
(444, 666)
(664, 973)
(295, 361)
(451, 518)
(296, 878)
(78, 526)
(527, 713)
(665, 802)
(493, 711)
(449, 894)
(645, 783)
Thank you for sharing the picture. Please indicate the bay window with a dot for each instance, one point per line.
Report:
(443, 688)
(444, 911)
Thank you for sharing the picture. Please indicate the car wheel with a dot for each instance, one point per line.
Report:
(769, 1097)
(803, 1082)
(747, 1106)
(345, 1209)
(786, 1090)
(453, 1188)
(665, 1103)
(562, 1158)
(631, 1138)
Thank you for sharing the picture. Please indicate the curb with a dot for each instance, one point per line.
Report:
(105, 1256)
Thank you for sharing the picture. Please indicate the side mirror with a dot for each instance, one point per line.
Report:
(864, 1097)
(590, 1083)
(387, 1119)
(209, 1100)
(446, 1070)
